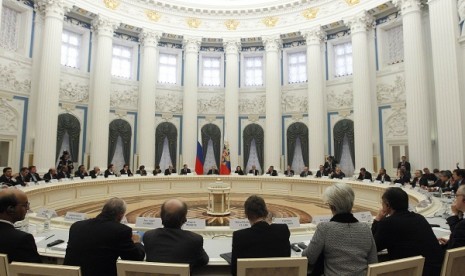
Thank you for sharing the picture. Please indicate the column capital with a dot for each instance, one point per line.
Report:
(272, 42)
(54, 8)
(359, 23)
(149, 38)
(105, 26)
(407, 6)
(191, 44)
(313, 36)
(232, 45)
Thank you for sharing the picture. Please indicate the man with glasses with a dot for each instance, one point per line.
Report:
(18, 245)
(456, 222)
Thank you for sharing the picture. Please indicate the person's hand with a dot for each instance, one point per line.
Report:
(381, 214)
(443, 241)
(135, 238)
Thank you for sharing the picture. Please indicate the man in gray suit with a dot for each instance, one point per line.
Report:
(171, 244)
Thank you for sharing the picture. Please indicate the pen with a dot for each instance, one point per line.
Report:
(49, 237)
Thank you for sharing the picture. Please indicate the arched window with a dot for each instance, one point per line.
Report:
(297, 146)
(253, 137)
(211, 143)
(344, 149)
(166, 144)
(119, 143)
(68, 134)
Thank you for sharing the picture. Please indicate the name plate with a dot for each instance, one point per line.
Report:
(292, 222)
(46, 213)
(363, 216)
(319, 219)
(239, 223)
(53, 181)
(194, 224)
(111, 176)
(325, 177)
(148, 222)
(75, 216)
(124, 175)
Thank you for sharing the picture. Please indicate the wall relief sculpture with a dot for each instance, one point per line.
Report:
(124, 96)
(396, 124)
(169, 102)
(207, 104)
(74, 92)
(391, 93)
(294, 102)
(340, 100)
(252, 104)
(9, 80)
(8, 117)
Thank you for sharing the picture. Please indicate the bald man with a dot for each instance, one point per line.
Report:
(172, 244)
(18, 245)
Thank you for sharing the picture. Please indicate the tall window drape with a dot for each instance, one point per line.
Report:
(69, 129)
(344, 129)
(253, 158)
(253, 133)
(297, 131)
(166, 141)
(120, 128)
(210, 158)
(213, 133)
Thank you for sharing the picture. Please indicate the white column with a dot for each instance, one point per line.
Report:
(273, 126)
(189, 111)
(416, 86)
(231, 97)
(444, 26)
(362, 91)
(316, 102)
(100, 91)
(147, 88)
(49, 84)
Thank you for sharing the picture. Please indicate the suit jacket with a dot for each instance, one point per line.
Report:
(335, 175)
(155, 172)
(241, 172)
(273, 173)
(261, 240)
(256, 172)
(8, 181)
(18, 245)
(81, 175)
(185, 171)
(387, 178)
(128, 172)
(49, 176)
(170, 245)
(144, 172)
(93, 174)
(29, 177)
(61, 175)
(107, 173)
(457, 228)
(320, 174)
(406, 165)
(422, 181)
(167, 171)
(430, 177)
(402, 180)
(407, 234)
(289, 173)
(21, 180)
(215, 171)
(95, 245)
(305, 174)
(366, 176)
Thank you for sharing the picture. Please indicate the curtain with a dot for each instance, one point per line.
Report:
(253, 158)
(294, 132)
(253, 132)
(213, 133)
(345, 163)
(167, 131)
(120, 128)
(118, 158)
(210, 158)
(344, 128)
(298, 162)
(64, 146)
(68, 123)
(165, 160)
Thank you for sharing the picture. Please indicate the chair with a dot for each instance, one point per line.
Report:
(412, 266)
(30, 269)
(132, 268)
(272, 266)
(3, 265)
(454, 262)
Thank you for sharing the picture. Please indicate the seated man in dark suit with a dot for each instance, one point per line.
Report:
(8, 178)
(185, 170)
(305, 172)
(338, 174)
(63, 173)
(456, 222)
(126, 170)
(18, 245)
(364, 174)
(213, 170)
(110, 171)
(402, 178)
(419, 180)
(157, 170)
(52, 174)
(289, 171)
(143, 172)
(95, 244)
(170, 170)
(271, 171)
(382, 176)
(172, 244)
(262, 239)
(405, 234)
(254, 170)
(81, 172)
(95, 172)
(429, 176)
(321, 172)
(21, 179)
(33, 176)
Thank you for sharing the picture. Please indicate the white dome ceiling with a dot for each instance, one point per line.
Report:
(231, 4)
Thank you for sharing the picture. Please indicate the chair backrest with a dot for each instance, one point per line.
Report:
(412, 266)
(272, 266)
(4, 265)
(29, 269)
(454, 262)
(132, 268)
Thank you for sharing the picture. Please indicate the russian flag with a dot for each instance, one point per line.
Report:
(199, 159)
(225, 166)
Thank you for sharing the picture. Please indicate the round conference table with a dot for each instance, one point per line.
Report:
(217, 239)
